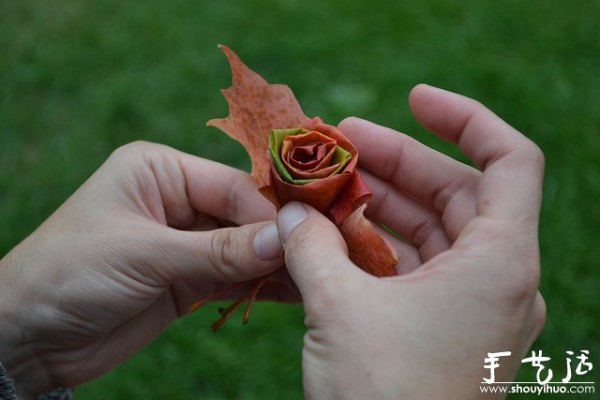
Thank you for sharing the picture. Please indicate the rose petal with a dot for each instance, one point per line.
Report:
(355, 194)
(311, 156)
(366, 247)
(311, 142)
(319, 193)
(316, 124)
(321, 173)
(310, 138)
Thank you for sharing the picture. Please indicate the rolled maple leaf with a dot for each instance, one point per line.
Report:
(296, 158)
(313, 166)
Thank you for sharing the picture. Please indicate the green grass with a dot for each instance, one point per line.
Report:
(78, 79)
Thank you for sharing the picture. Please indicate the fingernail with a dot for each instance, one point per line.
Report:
(290, 216)
(266, 243)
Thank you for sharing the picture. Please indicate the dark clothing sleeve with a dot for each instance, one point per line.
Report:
(7, 390)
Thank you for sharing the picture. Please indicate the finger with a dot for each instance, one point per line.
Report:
(419, 225)
(413, 168)
(405, 172)
(221, 255)
(224, 192)
(512, 164)
(314, 249)
(182, 190)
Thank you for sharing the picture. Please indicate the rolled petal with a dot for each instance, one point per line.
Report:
(316, 124)
(319, 193)
(301, 156)
(319, 173)
(355, 194)
(366, 247)
(311, 156)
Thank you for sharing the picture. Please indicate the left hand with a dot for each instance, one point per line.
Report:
(124, 257)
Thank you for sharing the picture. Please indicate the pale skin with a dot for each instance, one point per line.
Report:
(155, 230)
(124, 257)
(472, 249)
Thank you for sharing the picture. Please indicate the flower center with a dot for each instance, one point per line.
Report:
(309, 156)
(301, 156)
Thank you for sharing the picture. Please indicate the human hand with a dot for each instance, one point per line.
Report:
(470, 261)
(125, 256)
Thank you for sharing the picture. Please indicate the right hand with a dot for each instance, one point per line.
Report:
(470, 263)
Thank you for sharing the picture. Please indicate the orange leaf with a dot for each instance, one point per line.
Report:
(256, 107)
(366, 247)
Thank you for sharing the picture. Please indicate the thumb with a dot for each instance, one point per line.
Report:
(225, 254)
(314, 248)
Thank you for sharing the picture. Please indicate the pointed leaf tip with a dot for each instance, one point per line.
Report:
(256, 107)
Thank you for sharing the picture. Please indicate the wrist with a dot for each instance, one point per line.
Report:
(18, 341)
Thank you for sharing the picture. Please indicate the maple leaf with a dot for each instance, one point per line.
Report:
(297, 158)
(256, 107)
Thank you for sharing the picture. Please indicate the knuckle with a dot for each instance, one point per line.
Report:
(527, 286)
(296, 245)
(423, 230)
(309, 239)
(138, 146)
(516, 260)
(138, 149)
(526, 280)
(223, 253)
(392, 161)
(537, 156)
(540, 310)
(540, 314)
(533, 154)
(231, 201)
(467, 184)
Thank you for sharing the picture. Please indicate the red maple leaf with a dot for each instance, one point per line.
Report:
(256, 108)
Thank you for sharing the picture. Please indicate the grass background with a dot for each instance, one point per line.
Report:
(78, 79)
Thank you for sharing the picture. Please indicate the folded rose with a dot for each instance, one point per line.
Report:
(311, 166)
(297, 158)
(302, 156)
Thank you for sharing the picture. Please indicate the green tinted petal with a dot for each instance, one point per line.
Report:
(342, 156)
(276, 137)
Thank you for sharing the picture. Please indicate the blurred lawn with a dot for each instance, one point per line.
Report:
(78, 79)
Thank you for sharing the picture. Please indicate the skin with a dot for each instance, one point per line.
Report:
(154, 230)
(124, 257)
(471, 247)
